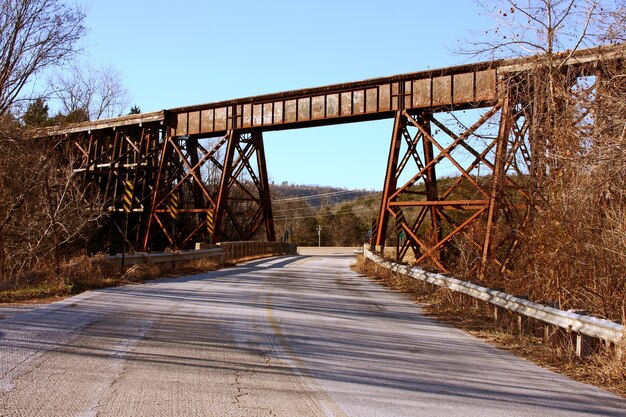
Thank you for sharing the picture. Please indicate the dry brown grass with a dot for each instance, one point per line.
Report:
(604, 368)
(85, 273)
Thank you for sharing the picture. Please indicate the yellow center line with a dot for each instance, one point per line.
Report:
(326, 402)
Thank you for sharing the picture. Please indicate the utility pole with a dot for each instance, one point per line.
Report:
(319, 236)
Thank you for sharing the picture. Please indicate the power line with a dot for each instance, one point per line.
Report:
(317, 209)
(321, 195)
(300, 209)
(363, 209)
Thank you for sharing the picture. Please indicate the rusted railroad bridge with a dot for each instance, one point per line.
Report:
(198, 173)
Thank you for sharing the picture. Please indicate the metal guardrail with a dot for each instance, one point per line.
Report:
(154, 258)
(224, 251)
(583, 325)
(241, 250)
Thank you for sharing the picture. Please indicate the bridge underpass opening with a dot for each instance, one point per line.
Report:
(342, 156)
(347, 156)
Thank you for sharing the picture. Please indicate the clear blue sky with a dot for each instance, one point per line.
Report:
(176, 53)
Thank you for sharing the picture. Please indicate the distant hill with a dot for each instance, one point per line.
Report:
(314, 195)
(344, 215)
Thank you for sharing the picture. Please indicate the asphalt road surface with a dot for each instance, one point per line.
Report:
(290, 336)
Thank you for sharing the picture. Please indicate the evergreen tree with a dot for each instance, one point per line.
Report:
(76, 116)
(36, 114)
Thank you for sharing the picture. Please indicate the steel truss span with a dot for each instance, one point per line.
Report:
(198, 173)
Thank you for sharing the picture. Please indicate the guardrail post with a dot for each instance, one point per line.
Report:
(619, 350)
(583, 343)
(547, 327)
(522, 321)
(498, 312)
(498, 315)
(474, 302)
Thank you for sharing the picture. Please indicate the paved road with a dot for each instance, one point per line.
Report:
(292, 336)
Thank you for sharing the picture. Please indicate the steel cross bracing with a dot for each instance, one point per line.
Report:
(114, 163)
(434, 215)
(221, 189)
(460, 150)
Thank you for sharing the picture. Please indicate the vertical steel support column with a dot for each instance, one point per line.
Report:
(264, 192)
(432, 193)
(390, 179)
(498, 174)
(155, 191)
(192, 151)
(109, 182)
(91, 150)
(599, 122)
(222, 194)
(538, 144)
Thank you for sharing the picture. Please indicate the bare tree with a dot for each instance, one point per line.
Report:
(573, 249)
(35, 35)
(97, 91)
(614, 23)
(43, 205)
(540, 27)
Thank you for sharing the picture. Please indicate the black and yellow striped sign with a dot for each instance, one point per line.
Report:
(210, 224)
(374, 229)
(127, 198)
(172, 205)
(399, 220)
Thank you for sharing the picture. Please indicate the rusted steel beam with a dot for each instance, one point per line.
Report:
(430, 179)
(457, 87)
(390, 179)
(429, 252)
(373, 99)
(264, 191)
(498, 174)
(155, 195)
(224, 190)
(157, 117)
(438, 203)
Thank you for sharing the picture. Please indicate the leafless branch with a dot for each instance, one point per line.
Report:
(36, 34)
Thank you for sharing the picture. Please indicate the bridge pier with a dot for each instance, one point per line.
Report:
(464, 208)
(243, 200)
(210, 189)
